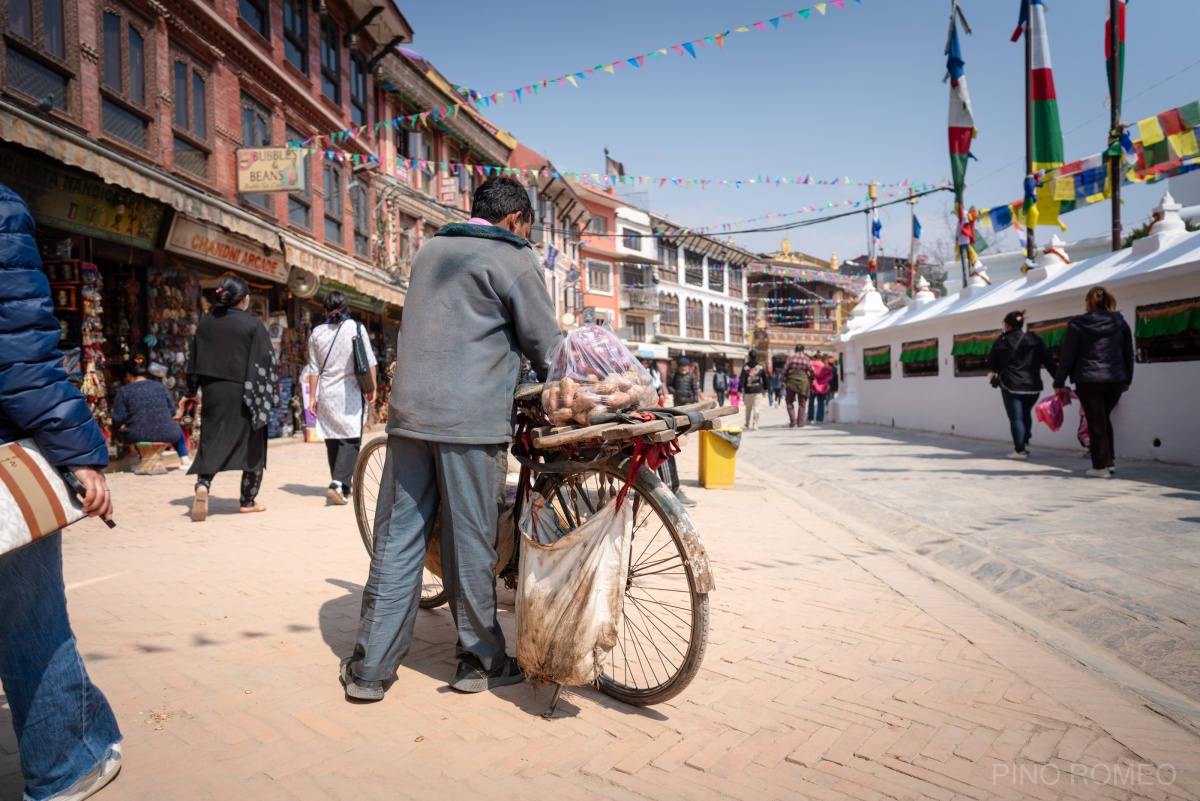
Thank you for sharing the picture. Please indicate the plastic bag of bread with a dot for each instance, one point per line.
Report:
(593, 373)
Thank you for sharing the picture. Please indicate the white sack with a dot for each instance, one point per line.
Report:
(571, 591)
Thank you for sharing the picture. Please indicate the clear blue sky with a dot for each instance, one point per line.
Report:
(857, 92)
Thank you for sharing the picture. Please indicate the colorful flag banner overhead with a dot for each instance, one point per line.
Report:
(604, 180)
(1173, 149)
(1047, 131)
(1117, 53)
(962, 118)
(517, 95)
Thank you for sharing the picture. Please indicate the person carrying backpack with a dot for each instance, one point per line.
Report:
(754, 384)
(797, 378)
(720, 384)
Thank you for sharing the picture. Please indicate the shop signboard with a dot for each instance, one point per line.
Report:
(270, 169)
(74, 202)
(210, 244)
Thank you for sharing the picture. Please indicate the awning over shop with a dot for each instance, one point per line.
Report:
(378, 286)
(374, 288)
(210, 244)
(319, 261)
(77, 151)
(623, 258)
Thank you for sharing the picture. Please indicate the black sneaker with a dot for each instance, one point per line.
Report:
(683, 499)
(472, 678)
(358, 689)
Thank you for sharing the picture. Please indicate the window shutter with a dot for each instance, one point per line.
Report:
(415, 142)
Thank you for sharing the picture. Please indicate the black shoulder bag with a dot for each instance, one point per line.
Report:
(362, 365)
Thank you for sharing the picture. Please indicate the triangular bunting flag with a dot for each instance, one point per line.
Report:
(820, 7)
(775, 22)
(762, 26)
(690, 48)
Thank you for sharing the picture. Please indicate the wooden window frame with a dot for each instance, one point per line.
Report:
(247, 102)
(335, 215)
(264, 9)
(597, 265)
(305, 198)
(299, 41)
(188, 135)
(360, 188)
(329, 26)
(362, 104)
(65, 66)
(122, 98)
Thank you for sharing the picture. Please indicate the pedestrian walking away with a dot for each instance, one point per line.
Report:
(1097, 356)
(1016, 361)
(818, 389)
(143, 411)
(67, 735)
(775, 387)
(446, 441)
(233, 368)
(336, 399)
(720, 384)
(797, 378)
(754, 384)
(684, 387)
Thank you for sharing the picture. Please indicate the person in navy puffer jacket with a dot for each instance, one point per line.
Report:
(66, 732)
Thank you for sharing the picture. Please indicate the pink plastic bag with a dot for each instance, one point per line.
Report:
(1049, 410)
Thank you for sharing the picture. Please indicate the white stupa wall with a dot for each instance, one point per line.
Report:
(1157, 419)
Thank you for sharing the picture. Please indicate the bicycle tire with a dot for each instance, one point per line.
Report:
(368, 471)
(648, 490)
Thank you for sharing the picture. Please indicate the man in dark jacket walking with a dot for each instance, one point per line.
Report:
(684, 387)
(66, 733)
(478, 299)
(683, 384)
(1016, 360)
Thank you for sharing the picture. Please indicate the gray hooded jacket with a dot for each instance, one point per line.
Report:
(476, 304)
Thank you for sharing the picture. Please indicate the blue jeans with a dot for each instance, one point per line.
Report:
(720, 396)
(816, 403)
(181, 445)
(1020, 417)
(64, 724)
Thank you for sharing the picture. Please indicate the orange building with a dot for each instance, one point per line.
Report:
(598, 255)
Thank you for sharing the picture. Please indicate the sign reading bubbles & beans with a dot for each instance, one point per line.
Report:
(270, 169)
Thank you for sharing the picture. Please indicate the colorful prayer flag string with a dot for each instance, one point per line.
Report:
(517, 95)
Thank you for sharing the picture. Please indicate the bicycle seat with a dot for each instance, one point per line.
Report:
(527, 392)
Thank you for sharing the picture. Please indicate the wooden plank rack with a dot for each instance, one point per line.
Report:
(549, 437)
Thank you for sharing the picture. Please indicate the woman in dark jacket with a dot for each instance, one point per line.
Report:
(1097, 356)
(233, 363)
(66, 733)
(1016, 361)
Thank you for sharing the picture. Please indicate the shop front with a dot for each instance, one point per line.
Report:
(97, 243)
(205, 253)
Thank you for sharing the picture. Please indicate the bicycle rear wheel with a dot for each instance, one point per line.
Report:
(368, 471)
(664, 630)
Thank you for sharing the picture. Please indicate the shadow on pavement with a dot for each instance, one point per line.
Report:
(304, 490)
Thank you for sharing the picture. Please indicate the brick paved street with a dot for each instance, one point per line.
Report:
(841, 665)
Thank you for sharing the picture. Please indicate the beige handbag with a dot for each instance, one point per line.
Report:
(34, 497)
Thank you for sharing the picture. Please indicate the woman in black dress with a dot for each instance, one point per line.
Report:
(233, 364)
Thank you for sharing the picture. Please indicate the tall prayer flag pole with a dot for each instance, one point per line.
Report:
(1114, 52)
(961, 120)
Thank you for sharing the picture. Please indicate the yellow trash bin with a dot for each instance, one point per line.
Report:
(718, 457)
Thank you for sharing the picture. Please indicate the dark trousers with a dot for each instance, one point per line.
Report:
(720, 396)
(343, 455)
(1098, 401)
(816, 407)
(1020, 417)
(418, 477)
(792, 397)
(669, 474)
(251, 483)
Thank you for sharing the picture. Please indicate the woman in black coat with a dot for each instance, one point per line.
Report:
(1097, 356)
(233, 363)
(1016, 361)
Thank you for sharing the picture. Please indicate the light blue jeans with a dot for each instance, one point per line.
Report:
(64, 724)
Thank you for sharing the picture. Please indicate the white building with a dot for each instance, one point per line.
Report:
(913, 367)
(702, 291)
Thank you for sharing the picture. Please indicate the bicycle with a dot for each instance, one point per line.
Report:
(666, 612)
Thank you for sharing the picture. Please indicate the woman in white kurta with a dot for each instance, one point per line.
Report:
(335, 398)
